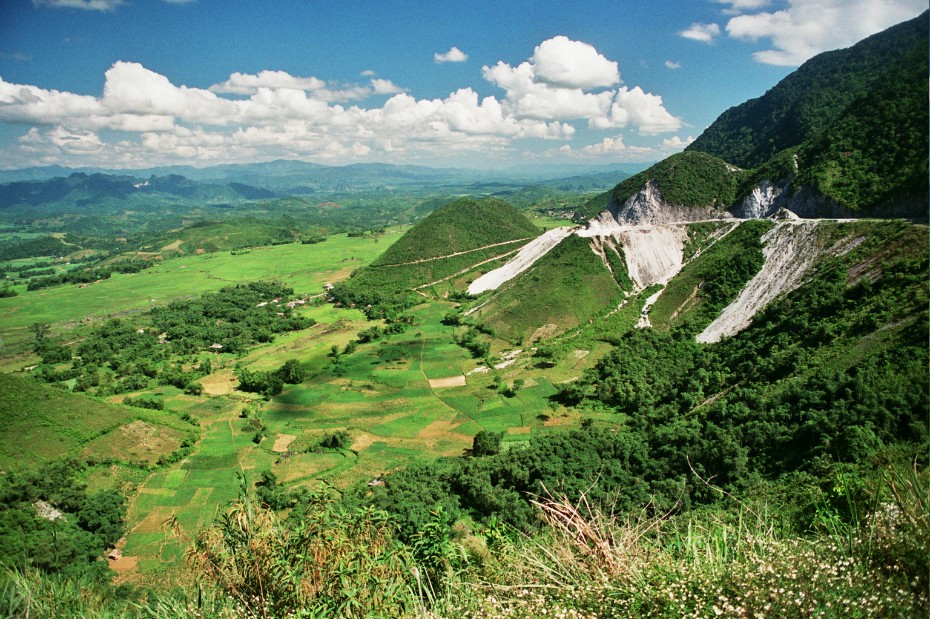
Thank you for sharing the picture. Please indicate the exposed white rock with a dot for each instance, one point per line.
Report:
(790, 250)
(644, 321)
(760, 202)
(654, 254)
(605, 224)
(648, 207)
(525, 258)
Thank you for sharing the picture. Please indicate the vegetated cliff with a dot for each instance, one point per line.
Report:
(688, 186)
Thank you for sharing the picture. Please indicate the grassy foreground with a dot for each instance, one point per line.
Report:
(584, 563)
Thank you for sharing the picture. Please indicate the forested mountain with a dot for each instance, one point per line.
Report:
(823, 90)
(844, 135)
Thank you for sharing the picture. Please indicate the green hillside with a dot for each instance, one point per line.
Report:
(460, 225)
(851, 124)
(877, 151)
(39, 423)
(462, 234)
(823, 90)
(567, 287)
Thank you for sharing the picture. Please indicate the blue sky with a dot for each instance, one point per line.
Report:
(136, 83)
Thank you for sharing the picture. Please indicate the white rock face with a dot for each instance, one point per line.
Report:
(654, 254)
(525, 258)
(790, 250)
(760, 203)
(644, 322)
(646, 206)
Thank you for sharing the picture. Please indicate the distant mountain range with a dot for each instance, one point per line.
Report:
(281, 174)
(55, 189)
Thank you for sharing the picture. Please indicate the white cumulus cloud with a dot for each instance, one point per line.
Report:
(142, 118)
(738, 6)
(566, 80)
(705, 33)
(645, 111)
(807, 27)
(559, 61)
(675, 143)
(246, 83)
(453, 55)
(385, 87)
(611, 148)
(671, 64)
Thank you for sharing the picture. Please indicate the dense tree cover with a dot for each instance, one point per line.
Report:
(877, 150)
(813, 97)
(235, 317)
(684, 179)
(486, 443)
(167, 344)
(49, 521)
(826, 382)
(41, 246)
(853, 124)
(271, 383)
(89, 275)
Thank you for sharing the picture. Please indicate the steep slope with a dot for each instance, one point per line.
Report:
(525, 258)
(687, 186)
(790, 250)
(565, 288)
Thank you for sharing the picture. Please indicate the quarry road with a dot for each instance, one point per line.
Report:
(527, 256)
(458, 253)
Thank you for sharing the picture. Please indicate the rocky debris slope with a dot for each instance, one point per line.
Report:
(790, 249)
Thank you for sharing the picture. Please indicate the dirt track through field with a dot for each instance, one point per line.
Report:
(458, 253)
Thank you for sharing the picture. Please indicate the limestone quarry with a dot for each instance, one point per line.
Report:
(651, 235)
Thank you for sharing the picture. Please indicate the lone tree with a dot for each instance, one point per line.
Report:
(486, 443)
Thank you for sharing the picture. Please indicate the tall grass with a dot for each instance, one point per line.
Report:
(586, 562)
(742, 562)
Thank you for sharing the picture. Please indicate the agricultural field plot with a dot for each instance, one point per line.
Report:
(402, 397)
(411, 396)
(306, 268)
(187, 496)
